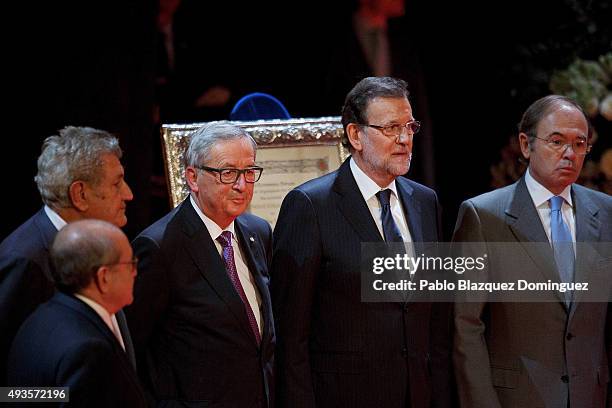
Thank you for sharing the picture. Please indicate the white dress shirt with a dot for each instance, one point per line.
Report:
(246, 278)
(368, 189)
(57, 221)
(540, 196)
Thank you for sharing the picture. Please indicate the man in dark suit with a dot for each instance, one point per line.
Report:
(79, 177)
(335, 350)
(202, 316)
(553, 353)
(73, 339)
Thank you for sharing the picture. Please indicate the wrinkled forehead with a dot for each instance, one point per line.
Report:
(395, 108)
(233, 153)
(564, 120)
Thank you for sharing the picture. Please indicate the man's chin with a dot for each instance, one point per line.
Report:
(400, 170)
(121, 221)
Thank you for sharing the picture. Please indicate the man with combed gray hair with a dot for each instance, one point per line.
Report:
(79, 177)
(202, 316)
(73, 339)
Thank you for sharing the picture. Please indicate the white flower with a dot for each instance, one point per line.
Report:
(605, 107)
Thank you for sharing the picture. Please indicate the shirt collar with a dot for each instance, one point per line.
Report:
(57, 221)
(540, 194)
(98, 308)
(213, 229)
(367, 186)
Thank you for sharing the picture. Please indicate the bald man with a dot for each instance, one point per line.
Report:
(73, 339)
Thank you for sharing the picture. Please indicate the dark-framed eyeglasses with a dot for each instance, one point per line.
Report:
(230, 176)
(559, 144)
(396, 130)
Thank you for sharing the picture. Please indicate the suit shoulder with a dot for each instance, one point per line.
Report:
(23, 241)
(492, 200)
(157, 230)
(26, 248)
(600, 198)
(255, 223)
(418, 188)
(319, 185)
(253, 219)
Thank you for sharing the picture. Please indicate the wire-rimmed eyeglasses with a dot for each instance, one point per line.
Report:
(230, 176)
(133, 262)
(559, 144)
(396, 130)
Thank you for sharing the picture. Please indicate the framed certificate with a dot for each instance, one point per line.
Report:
(290, 151)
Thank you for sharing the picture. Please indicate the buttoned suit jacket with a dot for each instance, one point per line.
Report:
(65, 343)
(189, 325)
(333, 349)
(528, 355)
(26, 282)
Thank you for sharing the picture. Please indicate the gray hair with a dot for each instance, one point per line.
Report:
(203, 140)
(79, 249)
(75, 154)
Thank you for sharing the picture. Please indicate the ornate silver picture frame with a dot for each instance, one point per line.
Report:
(290, 151)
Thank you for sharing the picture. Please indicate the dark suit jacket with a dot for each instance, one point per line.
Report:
(189, 324)
(26, 282)
(516, 354)
(64, 343)
(333, 349)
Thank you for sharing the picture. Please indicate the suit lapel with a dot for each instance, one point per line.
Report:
(46, 228)
(412, 209)
(353, 206)
(256, 262)
(127, 338)
(47, 233)
(90, 314)
(588, 229)
(204, 253)
(526, 225)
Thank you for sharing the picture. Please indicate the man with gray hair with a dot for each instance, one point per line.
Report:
(79, 177)
(73, 339)
(202, 316)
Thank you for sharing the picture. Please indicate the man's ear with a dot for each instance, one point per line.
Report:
(524, 144)
(191, 175)
(78, 195)
(354, 136)
(102, 279)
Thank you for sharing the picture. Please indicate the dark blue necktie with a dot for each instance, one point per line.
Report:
(390, 230)
(562, 242)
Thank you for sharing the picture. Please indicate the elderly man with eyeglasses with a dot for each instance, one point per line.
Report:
(74, 340)
(202, 315)
(552, 348)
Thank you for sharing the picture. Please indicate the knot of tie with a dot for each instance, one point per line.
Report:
(384, 197)
(555, 203)
(225, 239)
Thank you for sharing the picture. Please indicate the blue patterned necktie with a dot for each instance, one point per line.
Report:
(390, 230)
(562, 242)
(225, 239)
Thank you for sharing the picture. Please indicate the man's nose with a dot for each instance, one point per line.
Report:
(568, 152)
(127, 192)
(240, 183)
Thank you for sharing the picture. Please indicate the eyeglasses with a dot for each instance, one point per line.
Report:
(580, 146)
(230, 176)
(396, 130)
(133, 262)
